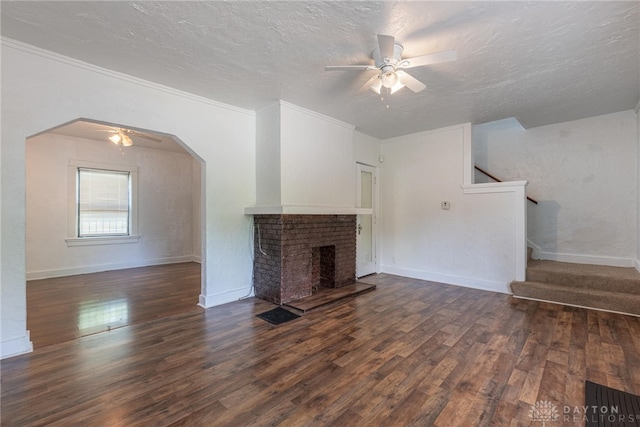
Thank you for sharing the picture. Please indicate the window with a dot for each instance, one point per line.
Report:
(102, 204)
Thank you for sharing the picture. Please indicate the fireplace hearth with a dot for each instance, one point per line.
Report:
(296, 253)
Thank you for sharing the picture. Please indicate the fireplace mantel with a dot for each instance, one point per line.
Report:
(305, 210)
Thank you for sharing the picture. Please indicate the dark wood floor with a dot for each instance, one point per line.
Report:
(65, 308)
(408, 353)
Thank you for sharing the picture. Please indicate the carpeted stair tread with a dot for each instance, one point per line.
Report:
(583, 297)
(596, 277)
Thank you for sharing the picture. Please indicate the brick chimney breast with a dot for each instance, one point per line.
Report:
(295, 253)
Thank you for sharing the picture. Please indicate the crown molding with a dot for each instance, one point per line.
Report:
(424, 133)
(24, 47)
(317, 115)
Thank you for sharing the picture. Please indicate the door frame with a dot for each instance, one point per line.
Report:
(373, 211)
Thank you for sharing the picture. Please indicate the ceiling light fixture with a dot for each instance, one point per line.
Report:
(389, 78)
(390, 81)
(376, 86)
(115, 138)
(397, 86)
(121, 138)
(126, 141)
(388, 62)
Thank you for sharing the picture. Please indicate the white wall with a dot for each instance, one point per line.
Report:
(366, 149)
(584, 175)
(304, 162)
(268, 156)
(165, 207)
(41, 90)
(474, 243)
(316, 159)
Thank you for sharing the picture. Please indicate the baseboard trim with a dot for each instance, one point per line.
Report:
(484, 285)
(16, 346)
(575, 305)
(47, 274)
(538, 253)
(208, 301)
(535, 254)
(587, 259)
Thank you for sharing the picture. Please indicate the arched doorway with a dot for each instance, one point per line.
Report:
(102, 270)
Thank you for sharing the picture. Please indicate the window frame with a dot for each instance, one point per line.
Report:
(73, 239)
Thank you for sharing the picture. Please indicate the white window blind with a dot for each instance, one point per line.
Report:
(103, 203)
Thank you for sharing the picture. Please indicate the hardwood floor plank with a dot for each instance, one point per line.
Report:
(65, 308)
(410, 352)
(205, 416)
(349, 418)
(553, 384)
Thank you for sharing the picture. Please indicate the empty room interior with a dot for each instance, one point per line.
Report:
(320, 213)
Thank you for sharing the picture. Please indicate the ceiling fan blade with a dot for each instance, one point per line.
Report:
(139, 135)
(428, 59)
(386, 44)
(365, 87)
(349, 67)
(411, 82)
(149, 137)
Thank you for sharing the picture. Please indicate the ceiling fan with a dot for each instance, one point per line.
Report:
(123, 136)
(389, 64)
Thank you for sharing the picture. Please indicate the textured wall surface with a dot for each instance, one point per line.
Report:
(41, 91)
(165, 193)
(583, 174)
(470, 244)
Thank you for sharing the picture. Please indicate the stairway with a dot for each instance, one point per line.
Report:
(592, 286)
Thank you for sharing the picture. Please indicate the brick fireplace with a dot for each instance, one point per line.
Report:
(296, 253)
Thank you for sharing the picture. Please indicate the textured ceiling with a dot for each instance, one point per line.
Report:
(541, 62)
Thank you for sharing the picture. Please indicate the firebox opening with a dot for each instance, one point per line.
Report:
(323, 266)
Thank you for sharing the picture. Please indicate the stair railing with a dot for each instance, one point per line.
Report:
(484, 172)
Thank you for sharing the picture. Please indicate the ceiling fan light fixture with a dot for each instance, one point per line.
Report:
(387, 58)
(396, 87)
(121, 138)
(389, 79)
(376, 86)
(126, 141)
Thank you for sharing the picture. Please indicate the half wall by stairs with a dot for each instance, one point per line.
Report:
(592, 286)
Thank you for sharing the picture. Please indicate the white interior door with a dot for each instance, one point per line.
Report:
(366, 221)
